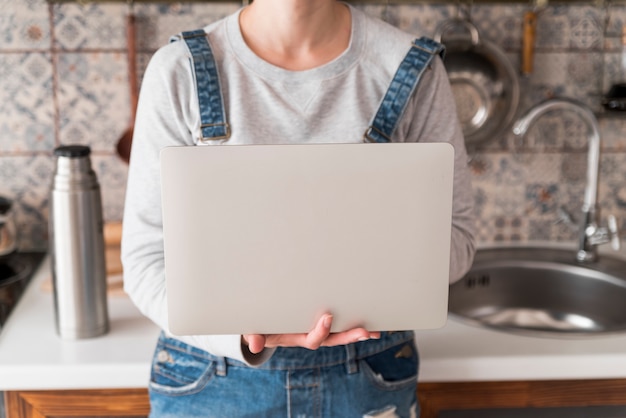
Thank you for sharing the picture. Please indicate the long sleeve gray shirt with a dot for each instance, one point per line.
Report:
(265, 104)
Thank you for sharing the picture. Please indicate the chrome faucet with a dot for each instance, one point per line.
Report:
(590, 234)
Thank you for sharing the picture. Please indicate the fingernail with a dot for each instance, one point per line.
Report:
(363, 338)
(328, 321)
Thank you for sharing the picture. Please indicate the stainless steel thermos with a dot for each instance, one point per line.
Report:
(77, 246)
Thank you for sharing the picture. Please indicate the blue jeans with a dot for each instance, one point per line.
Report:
(374, 378)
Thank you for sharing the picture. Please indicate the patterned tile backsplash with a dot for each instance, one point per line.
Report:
(63, 72)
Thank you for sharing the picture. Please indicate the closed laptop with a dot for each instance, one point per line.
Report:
(266, 238)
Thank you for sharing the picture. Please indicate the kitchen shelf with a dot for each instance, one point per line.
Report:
(598, 3)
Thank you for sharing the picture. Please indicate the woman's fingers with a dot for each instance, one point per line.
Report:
(350, 336)
(318, 337)
(255, 342)
(315, 339)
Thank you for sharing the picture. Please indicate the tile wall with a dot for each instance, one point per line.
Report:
(63, 79)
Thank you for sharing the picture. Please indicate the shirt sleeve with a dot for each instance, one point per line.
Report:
(430, 116)
(165, 111)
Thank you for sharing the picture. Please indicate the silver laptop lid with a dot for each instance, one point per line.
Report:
(266, 238)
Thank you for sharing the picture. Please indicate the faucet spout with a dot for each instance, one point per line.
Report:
(593, 137)
(588, 227)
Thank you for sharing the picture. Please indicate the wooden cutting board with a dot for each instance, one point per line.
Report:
(112, 234)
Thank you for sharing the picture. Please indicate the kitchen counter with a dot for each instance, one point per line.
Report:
(33, 357)
(465, 353)
(461, 352)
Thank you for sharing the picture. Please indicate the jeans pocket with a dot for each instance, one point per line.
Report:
(394, 368)
(175, 372)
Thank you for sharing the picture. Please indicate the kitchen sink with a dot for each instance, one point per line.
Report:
(542, 292)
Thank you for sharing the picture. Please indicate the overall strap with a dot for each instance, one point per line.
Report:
(402, 85)
(213, 124)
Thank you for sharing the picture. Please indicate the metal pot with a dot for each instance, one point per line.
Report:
(13, 275)
(16, 271)
(484, 83)
(8, 233)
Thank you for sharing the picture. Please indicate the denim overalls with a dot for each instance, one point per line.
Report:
(375, 378)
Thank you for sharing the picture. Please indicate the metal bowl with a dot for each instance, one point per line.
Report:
(484, 83)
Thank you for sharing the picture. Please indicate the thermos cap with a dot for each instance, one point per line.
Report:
(72, 151)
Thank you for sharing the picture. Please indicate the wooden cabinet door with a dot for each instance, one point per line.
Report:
(434, 398)
(437, 397)
(77, 403)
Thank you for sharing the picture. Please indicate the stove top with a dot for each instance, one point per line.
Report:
(16, 271)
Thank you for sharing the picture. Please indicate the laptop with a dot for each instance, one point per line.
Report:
(267, 238)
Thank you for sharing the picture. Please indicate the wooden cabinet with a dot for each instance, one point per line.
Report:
(434, 398)
(77, 403)
(438, 397)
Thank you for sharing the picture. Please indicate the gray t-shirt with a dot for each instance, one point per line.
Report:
(333, 103)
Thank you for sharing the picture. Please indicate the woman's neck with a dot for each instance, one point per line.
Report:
(296, 34)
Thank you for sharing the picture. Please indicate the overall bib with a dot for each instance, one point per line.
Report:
(374, 378)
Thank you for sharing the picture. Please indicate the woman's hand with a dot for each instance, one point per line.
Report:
(320, 336)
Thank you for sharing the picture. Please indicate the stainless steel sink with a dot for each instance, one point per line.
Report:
(542, 292)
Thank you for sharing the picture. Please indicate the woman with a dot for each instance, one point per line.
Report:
(290, 71)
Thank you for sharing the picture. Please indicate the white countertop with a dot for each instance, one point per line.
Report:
(33, 357)
(465, 353)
